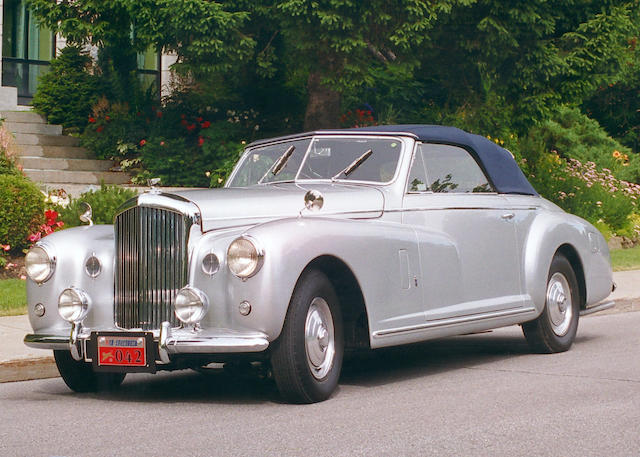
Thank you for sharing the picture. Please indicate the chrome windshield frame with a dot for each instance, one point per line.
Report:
(405, 140)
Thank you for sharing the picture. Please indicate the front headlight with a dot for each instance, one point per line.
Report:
(40, 264)
(244, 257)
(73, 304)
(191, 305)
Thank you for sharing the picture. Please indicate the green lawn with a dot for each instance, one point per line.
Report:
(625, 259)
(13, 297)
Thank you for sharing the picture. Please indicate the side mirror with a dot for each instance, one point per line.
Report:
(85, 213)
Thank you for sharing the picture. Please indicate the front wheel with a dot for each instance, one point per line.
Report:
(307, 357)
(79, 376)
(555, 329)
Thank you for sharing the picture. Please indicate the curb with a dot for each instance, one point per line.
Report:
(28, 369)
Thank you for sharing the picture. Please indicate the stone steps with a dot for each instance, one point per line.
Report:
(47, 163)
(54, 160)
(59, 152)
(60, 177)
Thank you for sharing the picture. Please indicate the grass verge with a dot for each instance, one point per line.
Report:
(625, 259)
(13, 297)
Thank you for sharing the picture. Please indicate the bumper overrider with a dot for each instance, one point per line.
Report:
(166, 342)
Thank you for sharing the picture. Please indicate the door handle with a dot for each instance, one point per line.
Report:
(508, 216)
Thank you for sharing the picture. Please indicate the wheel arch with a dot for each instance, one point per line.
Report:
(352, 304)
(573, 257)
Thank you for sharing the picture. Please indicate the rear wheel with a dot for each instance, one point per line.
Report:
(79, 376)
(307, 357)
(555, 329)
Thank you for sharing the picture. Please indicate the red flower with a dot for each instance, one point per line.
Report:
(158, 114)
(199, 119)
(191, 127)
(205, 124)
(51, 216)
(200, 141)
(142, 142)
(92, 120)
(184, 122)
(107, 118)
(100, 129)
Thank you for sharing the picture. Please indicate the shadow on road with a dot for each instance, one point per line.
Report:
(365, 369)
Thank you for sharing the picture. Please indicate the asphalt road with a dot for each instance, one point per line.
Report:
(477, 395)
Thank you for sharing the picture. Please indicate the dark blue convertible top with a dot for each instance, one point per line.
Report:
(497, 162)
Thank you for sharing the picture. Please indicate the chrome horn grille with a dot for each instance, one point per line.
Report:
(151, 266)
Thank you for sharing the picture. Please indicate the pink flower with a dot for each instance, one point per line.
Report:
(142, 142)
(35, 237)
(5, 247)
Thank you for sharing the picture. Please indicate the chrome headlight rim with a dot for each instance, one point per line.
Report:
(259, 254)
(51, 262)
(84, 300)
(200, 314)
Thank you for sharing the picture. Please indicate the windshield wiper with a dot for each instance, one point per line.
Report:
(279, 164)
(355, 164)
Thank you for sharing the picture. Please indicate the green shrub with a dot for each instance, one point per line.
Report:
(104, 203)
(67, 92)
(572, 135)
(22, 210)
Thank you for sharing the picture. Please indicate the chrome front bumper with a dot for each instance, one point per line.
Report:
(169, 341)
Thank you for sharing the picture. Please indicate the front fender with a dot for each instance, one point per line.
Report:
(71, 248)
(368, 247)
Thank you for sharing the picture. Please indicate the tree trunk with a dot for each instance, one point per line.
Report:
(323, 107)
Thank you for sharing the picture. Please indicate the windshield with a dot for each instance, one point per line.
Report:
(320, 158)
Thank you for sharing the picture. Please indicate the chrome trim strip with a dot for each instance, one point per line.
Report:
(46, 341)
(597, 308)
(444, 208)
(453, 321)
(216, 345)
(169, 202)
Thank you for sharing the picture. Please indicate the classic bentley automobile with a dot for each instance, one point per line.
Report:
(319, 243)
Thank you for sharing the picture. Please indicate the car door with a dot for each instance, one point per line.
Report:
(467, 238)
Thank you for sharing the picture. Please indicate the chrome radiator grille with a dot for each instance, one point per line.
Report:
(151, 266)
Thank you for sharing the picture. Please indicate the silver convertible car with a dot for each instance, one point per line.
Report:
(319, 243)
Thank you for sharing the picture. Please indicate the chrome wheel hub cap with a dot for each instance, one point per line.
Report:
(319, 339)
(559, 304)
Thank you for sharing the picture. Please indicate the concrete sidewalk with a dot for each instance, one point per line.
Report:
(21, 363)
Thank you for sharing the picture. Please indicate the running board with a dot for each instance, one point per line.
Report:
(597, 308)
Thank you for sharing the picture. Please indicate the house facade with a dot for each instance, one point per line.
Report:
(27, 50)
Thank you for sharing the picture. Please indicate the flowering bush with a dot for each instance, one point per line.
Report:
(357, 118)
(51, 224)
(22, 206)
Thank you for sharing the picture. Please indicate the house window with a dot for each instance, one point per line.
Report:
(149, 70)
(27, 49)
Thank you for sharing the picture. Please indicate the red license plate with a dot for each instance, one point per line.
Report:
(122, 351)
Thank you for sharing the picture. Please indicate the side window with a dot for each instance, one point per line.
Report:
(446, 168)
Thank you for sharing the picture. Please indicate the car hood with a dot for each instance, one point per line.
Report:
(231, 207)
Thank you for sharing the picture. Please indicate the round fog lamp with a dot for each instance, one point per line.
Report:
(39, 264)
(92, 266)
(73, 304)
(244, 257)
(210, 264)
(191, 305)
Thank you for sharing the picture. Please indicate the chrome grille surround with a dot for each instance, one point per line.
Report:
(152, 259)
